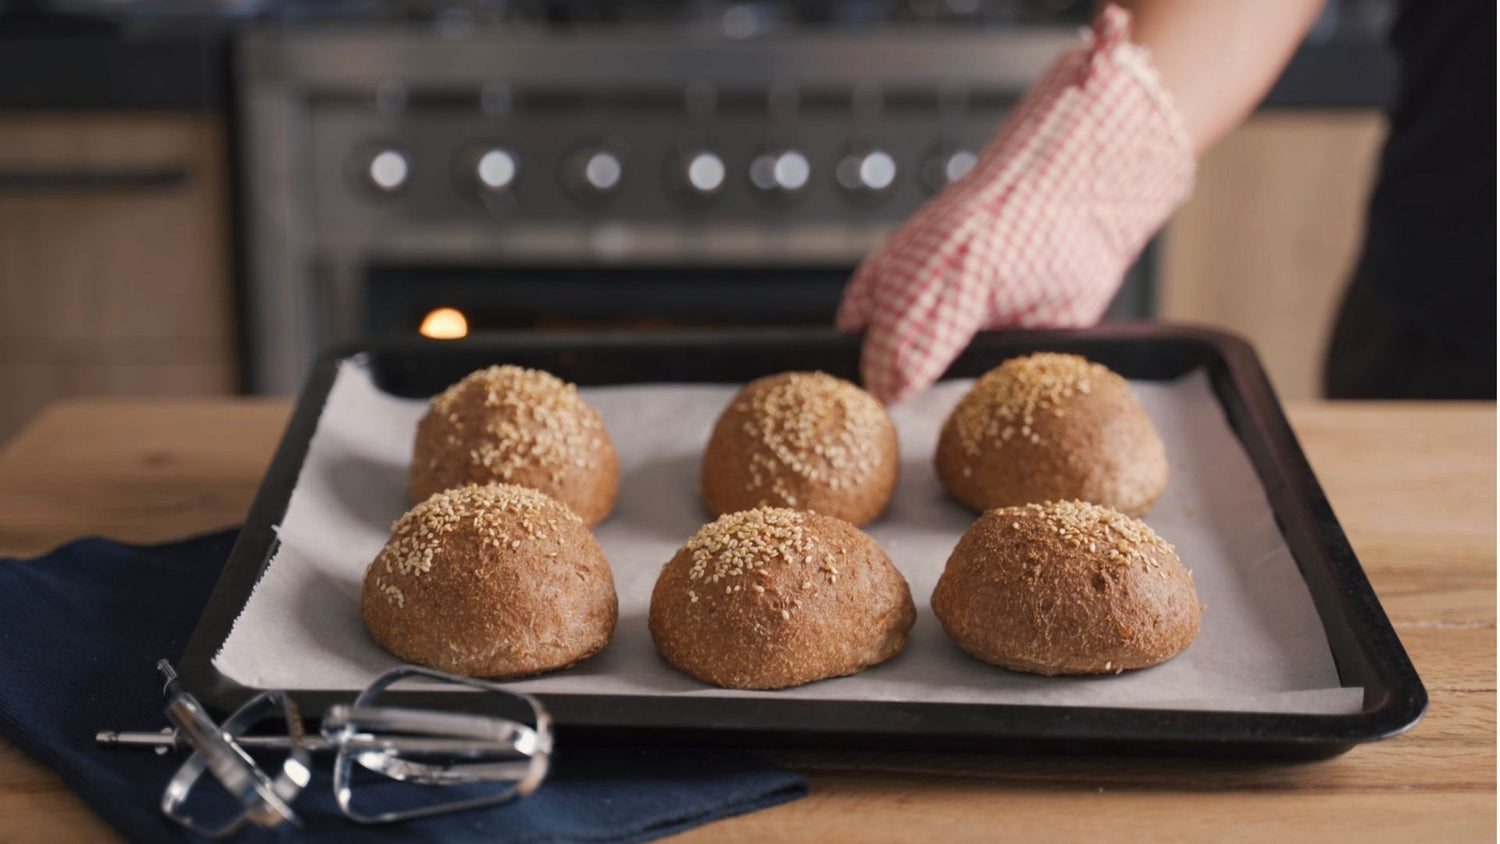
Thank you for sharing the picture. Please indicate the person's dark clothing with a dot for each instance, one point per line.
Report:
(1418, 320)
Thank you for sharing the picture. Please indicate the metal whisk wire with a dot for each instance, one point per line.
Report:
(264, 800)
(416, 746)
(436, 748)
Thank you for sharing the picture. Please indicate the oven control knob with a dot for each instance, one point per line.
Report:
(947, 167)
(495, 169)
(701, 173)
(780, 171)
(870, 171)
(594, 172)
(387, 170)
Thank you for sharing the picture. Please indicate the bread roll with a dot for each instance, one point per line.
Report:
(490, 581)
(804, 440)
(1066, 588)
(1050, 427)
(771, 598)
(520, 426)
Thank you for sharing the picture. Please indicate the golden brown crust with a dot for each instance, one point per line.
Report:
(520, 426)
(1051, 427)
(490, 581)
(805, 440)
(771, 598)
(1066, 588)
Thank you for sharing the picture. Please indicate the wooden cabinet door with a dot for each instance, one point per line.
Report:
(1269, 238)
(114, 259)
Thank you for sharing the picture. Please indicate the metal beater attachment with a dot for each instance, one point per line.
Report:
(460, 742)
(429, 747)
(264, 800)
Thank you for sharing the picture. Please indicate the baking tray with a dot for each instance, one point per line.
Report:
(1365, 647)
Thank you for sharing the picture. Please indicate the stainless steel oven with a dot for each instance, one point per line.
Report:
(696, 167)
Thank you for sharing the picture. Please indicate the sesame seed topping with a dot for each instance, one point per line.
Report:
(490, 511)
(745, 541)
(531, 418)
(738, 549)
(392, 592)
(809, 426)
(1016, 391)
(1127, 540)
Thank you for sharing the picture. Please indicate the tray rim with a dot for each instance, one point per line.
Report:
(1391, 707)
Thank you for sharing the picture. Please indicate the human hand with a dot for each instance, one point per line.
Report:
(1041, 231)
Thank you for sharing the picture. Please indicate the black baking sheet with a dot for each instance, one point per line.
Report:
(1365, 648)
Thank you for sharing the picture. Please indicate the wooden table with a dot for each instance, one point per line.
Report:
(1414, 486)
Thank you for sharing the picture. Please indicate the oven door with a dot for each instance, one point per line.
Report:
(450, 301)
(401, 300)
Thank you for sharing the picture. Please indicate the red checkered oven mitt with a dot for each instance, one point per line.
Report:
(1091, 162)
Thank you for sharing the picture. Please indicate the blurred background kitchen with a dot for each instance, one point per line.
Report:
(195, 196)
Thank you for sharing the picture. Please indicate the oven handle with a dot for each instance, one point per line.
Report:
(94, 179)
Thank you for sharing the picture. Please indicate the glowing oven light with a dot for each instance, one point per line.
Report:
(444, 324)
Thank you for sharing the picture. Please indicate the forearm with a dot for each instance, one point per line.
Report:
(1217, 58)
(1089, 164)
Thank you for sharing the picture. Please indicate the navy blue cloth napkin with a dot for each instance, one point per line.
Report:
(82, 627)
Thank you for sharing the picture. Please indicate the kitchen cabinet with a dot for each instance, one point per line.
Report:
(114, 258)
(1270, 236)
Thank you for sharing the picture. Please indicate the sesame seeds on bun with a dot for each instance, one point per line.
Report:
(770, 598)
(804, 440)
(521, 426)
(1066, 587)
(1050, 427)
(490, 581)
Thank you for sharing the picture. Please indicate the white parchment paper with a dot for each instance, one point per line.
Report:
(1261, 647)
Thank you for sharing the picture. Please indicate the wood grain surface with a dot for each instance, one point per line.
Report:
(1414, 486)
(1267, 241)
(113, 290)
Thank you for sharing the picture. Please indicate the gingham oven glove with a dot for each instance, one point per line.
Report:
(1040, 232)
